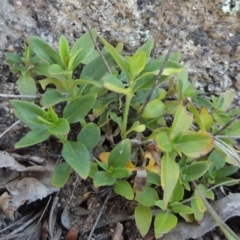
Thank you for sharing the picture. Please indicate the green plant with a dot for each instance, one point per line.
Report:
(195, 146)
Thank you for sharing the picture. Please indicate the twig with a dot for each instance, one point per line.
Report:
(160, 72)
(9, 128)
(99, 215)
(19, 96)
(50, 219)
(99, 52)
(226, 125)
(23, 226)
(29, 238)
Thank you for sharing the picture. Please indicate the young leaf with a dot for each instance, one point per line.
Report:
(196, 170)
(137, 63)
(61, 174)
(56, 69)
(79, 108)
(28, 113)
(77, 156)
(86, 45)
(147, 48)
(89, 136)
(120, 173)
(206, 118)
(194, 144)
(45, 51)
(180, 208)
(114, 84)
(153, 109)
(63, 49)
(225, 100)
(33, 137)
(143, 219)
(46, 81)
(61, 128)
(169, 177)
(117, 57)
(88, 80)
(163, 142)
(147, 197)
(163, 223)
(27, 85)
(52, 97)
(182, 121)
(120, 155)
(123, 188)
(102, 178)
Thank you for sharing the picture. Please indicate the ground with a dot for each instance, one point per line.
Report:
(209, 42)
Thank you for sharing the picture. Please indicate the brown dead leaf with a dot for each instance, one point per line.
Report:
(117, 235)
(140, 179)
(5, 198)
(72, 234)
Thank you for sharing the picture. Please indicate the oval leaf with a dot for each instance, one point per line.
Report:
(61, 174)
(89, 136)
(147, 197)
(79, 108)
(52, 97)
(114, 84)
(102, 178)
(77, 156)
(143, 219)
(163, 142)
(123, 188)
(153, 109)
(120, 155)
(163, 223)
(26, 85)
(169, 177)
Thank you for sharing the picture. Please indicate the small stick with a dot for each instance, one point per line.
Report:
(160, 72)
(99, 52)
(9, 128)
(99, 215)
(19, 96)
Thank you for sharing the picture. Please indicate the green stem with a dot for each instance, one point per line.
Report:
(125, 116)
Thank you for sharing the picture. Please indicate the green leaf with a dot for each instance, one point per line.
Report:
(61, 128)
(169, 177)
(163, 142)
(116, 119)
(226, 171)
(153, 109)
(147, 197)
(194, 144)
(77, 156)
(225, 100)
(63, 49)
(79, 108)
(28, 113)
(56, 82)
(61, 175)
(56, 69)
(88, 81)
(178, 192)
(137, 127)
(123, 188)
(180, 208)
(206, 118)
(33, 137)
(117, 57)
(120, 173)
(182, 121)
(120, 154)
(102, 178)
(97, 69)
(143, 219)
(163, 223)
(147, 48)
(52, 97)
(153, 178)
(89, 136)
(27, 85)
(195, 170)
(113, 84)
(86, 44)
(137, 63)
(45, 51)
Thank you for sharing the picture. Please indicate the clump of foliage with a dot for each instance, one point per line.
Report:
(164, 137)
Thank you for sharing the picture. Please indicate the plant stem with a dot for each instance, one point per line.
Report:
(125, 116)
